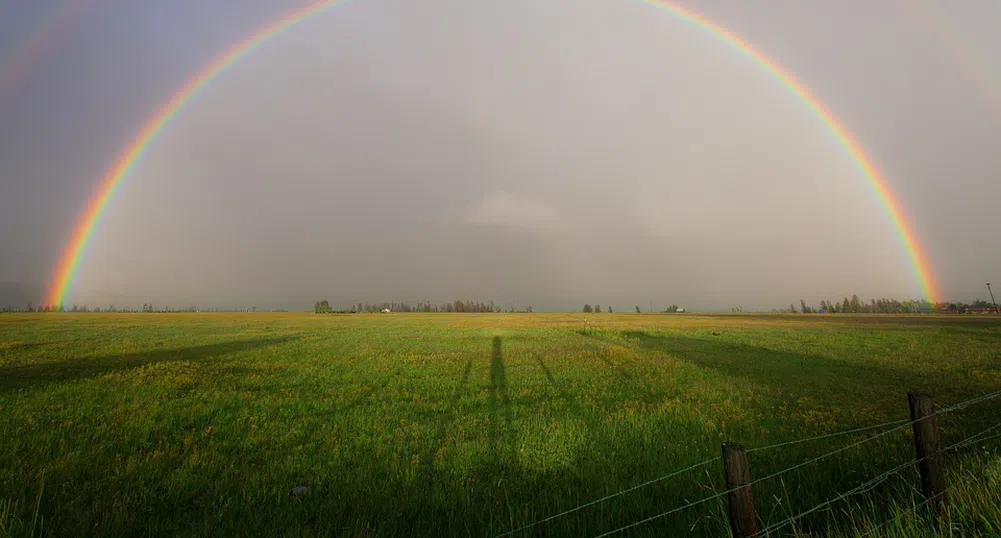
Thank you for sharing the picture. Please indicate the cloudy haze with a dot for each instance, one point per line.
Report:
(543, 153)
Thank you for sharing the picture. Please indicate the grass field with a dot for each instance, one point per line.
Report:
(450, 424)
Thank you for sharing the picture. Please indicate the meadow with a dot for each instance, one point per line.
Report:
(478, 424)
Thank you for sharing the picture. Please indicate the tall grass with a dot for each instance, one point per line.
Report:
(470, 425)
(973, 507)
(11, 525)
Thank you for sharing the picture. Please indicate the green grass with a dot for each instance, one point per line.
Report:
(450, 424)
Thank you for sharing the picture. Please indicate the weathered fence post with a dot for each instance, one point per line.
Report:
(743, 520)
(928, 447)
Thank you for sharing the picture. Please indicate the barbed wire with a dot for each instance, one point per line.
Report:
(865, 487)
(868, 486)
(669, 512)
(689, 468)
(968, 403)
(692, 467)
(762, 479)
(966, 479)
(939, 406)
(975, 438)
(955, 407)
(612, 496)
(987, 438)
(896, 516)
(828, 435)
(899, 424)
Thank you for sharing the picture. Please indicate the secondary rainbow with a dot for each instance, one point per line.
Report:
(967, 59)
(64, 18)
(88, 222)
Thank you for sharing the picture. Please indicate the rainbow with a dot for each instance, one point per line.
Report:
(970, 62)
(105, 192)
(17, 65)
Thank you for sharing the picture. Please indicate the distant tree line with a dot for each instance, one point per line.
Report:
(673, 309)
(979, 305)
(148, 308)
(323, 307)
(852, 305)
(889, 306)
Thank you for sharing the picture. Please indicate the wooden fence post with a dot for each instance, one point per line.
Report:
(743, 520)
(928, 447)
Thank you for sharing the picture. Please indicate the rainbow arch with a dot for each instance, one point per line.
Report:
(88, 222)
(13, 70)
(966, 58)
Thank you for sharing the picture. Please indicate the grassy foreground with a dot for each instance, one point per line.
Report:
(452, 424)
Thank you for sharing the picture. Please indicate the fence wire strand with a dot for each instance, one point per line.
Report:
(965, 480)
(914, 508)
(899, 424)
(828, 435)
(696, 466)
(762, 479)
(949, 409)
(975, 438)
(692, 467)
(612, 496)
(864, 487)
(871, 484)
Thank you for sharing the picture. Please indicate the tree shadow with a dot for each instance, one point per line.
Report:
(366, 395)
(462, 384)
(18, 347)
(44, 372)
(648, 394)
(447, 416)
(572, 403)
(360, 494)
(791, 372)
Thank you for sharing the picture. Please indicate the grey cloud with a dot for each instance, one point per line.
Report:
(554, 153)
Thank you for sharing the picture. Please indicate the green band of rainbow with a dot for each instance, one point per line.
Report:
(69, 262)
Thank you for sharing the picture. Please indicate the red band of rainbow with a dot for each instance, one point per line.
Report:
(90, 219)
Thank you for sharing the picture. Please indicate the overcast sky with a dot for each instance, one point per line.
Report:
(546, 153)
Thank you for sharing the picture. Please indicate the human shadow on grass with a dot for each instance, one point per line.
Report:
(66, 370)
(499, 404)
(487, 496)
(358, 493)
